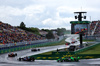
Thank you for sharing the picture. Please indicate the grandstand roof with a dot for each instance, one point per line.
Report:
(80, 22)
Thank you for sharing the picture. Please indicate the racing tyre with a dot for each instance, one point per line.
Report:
(64, 60)
(15, 54)
(33, 59)
(61, 60)
(69, 60)
(76, 60)
(57, 60)
(8, 55)
(38, 49)
(20, 59)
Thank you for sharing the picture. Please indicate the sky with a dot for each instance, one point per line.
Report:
(47, 14)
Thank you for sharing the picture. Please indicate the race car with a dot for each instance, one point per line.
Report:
(27, 59)
(12, 54)
(73, 42)
(68, 59)
(34, 49)
(67, 43)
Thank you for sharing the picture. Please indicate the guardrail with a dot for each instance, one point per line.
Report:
(21, 43)
(29, 42)
(26, 45)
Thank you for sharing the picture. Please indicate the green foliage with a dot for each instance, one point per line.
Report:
(33, 30)
(67, 32)
(30, 29)
(50, 35)
(22, 25)
(47, 30)
(61, 31)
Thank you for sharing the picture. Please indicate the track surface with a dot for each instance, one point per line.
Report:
(6, 61)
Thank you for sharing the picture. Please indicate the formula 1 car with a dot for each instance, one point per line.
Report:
(27, 59)
(12, 54)
(68, 59)
(67, 43)
(73, 42)
(34, 49)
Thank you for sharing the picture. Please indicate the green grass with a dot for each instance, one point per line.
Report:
(77, 37)
(50, 52)
(87, 40)
(62, 42)
(94, 50)
(46, 53)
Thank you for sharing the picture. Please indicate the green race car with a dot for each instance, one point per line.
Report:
(68, 59)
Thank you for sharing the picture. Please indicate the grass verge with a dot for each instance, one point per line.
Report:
(87, 40)
(62, 42)
(93, 50)
(46, 53)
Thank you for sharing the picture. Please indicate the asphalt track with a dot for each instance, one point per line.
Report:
(7, 61)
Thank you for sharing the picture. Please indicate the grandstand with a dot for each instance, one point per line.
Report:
(94, 33)
(11, 34)
(95, 28)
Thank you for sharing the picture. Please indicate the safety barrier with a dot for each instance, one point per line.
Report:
(26, 46)
(22, 43)
(29, 42)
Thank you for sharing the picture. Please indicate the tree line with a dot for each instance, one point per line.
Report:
(60, 31)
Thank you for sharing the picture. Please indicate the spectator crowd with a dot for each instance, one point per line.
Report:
(97, 30)
(93, 25)
(10, 34)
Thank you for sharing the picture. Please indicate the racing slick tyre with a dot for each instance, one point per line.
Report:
(76, 60)
(32, 59)
(15, 54)
(58, 61)
(38, 49)
(8, 55)
(61, 61)
(20, 59)
(64, 60)
(69, 60)
(32, 50)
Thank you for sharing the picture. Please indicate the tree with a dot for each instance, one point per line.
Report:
(61, 31)
(22, 25)
(50, 35)
(34, 30)
(47, 30)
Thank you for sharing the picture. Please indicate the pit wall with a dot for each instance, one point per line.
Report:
(22, 47)
(61, 54)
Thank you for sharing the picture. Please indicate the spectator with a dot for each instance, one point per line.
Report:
(10, 34)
